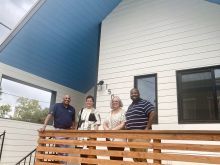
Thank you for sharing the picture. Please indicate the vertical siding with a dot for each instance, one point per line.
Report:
(21, 137)
(157, 36)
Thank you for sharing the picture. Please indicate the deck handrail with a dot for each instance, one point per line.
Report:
(172, 145)
(2, 136)
(29, 155)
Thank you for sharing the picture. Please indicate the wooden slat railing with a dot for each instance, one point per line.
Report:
(165, 147)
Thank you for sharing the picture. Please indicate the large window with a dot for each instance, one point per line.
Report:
(23, 101)
(199, 95)
(147, 86)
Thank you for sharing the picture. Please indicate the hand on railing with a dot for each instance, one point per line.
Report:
(42, 129)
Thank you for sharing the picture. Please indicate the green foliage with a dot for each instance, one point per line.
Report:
(4, 110)
(30, 110)
(0, 92)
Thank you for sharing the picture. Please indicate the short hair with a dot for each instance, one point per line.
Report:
(119, 100)
(68, 96)
(90, 97)
(135, 89)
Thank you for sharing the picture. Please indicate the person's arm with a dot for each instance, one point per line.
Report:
(150, 120)
(73, 125)
(98, 122)
(74, 120)
(49, 116)
(105, 126)
(120, 126)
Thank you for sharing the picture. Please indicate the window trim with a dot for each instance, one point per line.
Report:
(156, 91)
(179, 73)
(21, 24)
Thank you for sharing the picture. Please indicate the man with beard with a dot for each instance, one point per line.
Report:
(139, 116)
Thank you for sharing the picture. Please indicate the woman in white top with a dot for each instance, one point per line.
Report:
(115, 121)
(89, 119)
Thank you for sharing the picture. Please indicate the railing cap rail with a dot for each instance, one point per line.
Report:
(139, 131)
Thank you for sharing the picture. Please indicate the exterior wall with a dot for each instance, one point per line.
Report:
(21, 137)
(155, 36)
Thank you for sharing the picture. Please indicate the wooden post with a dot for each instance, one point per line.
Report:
(157, 150)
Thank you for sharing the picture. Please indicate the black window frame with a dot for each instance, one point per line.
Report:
(179, 73)
(156, 92)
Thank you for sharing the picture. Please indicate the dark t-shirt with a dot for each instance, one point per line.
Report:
(137, 114)
(63, 117)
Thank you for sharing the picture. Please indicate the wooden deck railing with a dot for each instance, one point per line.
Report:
(165, 147)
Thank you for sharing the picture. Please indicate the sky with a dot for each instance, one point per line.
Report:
(13, 90)
(11, 12)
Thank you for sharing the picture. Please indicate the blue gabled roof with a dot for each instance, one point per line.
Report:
(60, 42)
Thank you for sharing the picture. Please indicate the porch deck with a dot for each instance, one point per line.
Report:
(165, 147)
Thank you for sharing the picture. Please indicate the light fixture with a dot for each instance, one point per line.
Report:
(100, 84)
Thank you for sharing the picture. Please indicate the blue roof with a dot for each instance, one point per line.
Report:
(61, 42)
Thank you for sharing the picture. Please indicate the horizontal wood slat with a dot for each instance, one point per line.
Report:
(90, 160)
(179, 146)
(96, 143)
(167, 146)
(182, 135)
(95, 152)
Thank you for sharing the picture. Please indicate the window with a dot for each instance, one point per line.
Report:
(147, 86)
(13, 15)
(23, 101)
(214, 1)
(199, 95)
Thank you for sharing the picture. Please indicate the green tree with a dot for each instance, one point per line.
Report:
(29, 110)
(0, 92)
(4, 110)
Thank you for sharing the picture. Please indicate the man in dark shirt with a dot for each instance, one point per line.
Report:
(63, 115)
(64, 118)
(139, 116)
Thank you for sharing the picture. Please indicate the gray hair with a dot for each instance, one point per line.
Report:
(119, 100)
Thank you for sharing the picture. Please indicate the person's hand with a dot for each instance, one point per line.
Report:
(42, 129)
(107, 128)
(148, 128)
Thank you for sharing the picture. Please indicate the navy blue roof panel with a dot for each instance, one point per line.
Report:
(60, 42)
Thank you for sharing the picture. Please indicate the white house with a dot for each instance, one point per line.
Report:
(170, 50)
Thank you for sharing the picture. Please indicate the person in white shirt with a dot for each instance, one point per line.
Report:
(115, 121)
(89, 119)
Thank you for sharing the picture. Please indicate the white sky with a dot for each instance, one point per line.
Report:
(11, 12)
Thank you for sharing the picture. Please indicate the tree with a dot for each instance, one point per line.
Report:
(29, 110)
(0, 92)
(4, 110)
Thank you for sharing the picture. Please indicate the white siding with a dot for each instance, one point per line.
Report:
(21, 137)
(157, 36)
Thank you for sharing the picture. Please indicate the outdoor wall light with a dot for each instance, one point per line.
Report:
(101, 82)
(100, 85)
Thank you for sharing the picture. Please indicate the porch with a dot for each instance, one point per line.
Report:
(165, 147)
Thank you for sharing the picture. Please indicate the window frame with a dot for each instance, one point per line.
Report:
(179, 73)
(156, 92)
